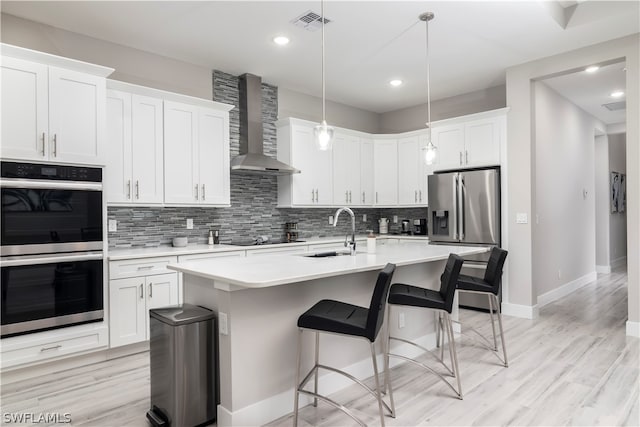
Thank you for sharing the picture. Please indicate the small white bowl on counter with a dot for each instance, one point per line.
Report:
(180, 242)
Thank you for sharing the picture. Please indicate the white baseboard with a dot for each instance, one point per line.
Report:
(619, 262)
(566, 289)
(280, 405)
(633, 329)
(522, 311)
(603, 269)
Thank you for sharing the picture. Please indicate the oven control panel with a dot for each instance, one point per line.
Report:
(50, 172)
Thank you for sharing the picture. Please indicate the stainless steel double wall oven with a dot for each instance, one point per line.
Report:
(52, 247)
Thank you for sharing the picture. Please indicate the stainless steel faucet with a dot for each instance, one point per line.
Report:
(352, 243)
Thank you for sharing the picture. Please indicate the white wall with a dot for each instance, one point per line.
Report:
(618, 220)
(564, 237)
(413, 118)
(520, 295)
(603, 211)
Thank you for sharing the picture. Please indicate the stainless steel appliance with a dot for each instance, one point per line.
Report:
(51, 247)
(464, 208)
(406, 226)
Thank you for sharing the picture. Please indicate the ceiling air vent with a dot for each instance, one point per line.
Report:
(310, 21)
(615, 106)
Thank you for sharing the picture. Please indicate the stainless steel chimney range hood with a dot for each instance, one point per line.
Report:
(252, 159)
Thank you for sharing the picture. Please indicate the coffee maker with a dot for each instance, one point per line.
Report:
(406, 227)
(420, 227)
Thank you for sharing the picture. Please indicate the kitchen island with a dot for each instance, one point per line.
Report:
(258, 301)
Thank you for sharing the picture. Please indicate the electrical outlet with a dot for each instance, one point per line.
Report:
(113, 225)
(223, 325)
(331, 219)
(395, 219)
(521, 218)
(400, 320)
(189, 223)
(364, 218)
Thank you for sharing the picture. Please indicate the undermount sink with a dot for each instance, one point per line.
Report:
(325, 254)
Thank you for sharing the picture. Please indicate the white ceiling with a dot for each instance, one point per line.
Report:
(368, 43)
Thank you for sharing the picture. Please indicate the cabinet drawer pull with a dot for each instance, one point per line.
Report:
(43, 143)
(141, 291)
(55, 145)
(53, 347)
(150, 290)
(145, 267)
(137, 189)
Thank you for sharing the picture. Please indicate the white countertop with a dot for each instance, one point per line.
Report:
(119, 254)
(278, 269)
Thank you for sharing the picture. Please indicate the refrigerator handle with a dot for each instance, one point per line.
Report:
(461, 194)
(455, 206)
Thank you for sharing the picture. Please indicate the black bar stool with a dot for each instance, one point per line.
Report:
(489, 285)
(442, 301)
(340, 318)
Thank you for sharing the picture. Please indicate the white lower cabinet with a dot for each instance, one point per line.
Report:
(131, 298)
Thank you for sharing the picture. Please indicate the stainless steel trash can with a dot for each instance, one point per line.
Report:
(183, 366)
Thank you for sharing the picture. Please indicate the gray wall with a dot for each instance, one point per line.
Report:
(564, 221)
(618, 220)
(603, 209)
(413, 118)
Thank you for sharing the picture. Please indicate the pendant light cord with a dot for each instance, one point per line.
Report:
(323, 83)
(428, 83)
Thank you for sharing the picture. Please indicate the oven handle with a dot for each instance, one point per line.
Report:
(15, 261)
(50, 185)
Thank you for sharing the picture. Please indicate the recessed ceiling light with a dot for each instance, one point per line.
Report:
(395, 82)
(617, 94)
(592, 69)
(281, 40)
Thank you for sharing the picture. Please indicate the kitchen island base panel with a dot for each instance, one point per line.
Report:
(258, 355)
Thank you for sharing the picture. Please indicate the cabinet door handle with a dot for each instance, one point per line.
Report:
(363, 197)
(313, 199)
(466, 156)
(196, 191)
(137, 189)
(55, 145)
(141, 291)
(317, 199)
(43, 143)
(346, 197)
(128, 189)
(203, 193)
(420, 195)
(53, 347)
(415, 196)
(150, 290)
(461, 158)
(350, 198)
(376, 197)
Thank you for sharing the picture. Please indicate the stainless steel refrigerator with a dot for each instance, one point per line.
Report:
(464, 208)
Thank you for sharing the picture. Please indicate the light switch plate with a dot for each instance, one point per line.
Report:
(189, 223)
(223, 324)
(364, 218)
(330, 219)
(113, 225)
(395, 219)
(521, 218)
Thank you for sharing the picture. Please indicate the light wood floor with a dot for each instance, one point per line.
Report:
(572, 366)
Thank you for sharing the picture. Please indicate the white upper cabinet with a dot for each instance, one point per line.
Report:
(366, 172)
(411, 171)
(49, 112)
(313, 186)
(473, 141)
(134, 173)
(346, 170)
(385, 165)
(196, 148)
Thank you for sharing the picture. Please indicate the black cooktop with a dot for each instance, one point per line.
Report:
(268, 242)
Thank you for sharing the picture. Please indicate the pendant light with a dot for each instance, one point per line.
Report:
(323, 133)
(430, 151)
